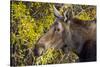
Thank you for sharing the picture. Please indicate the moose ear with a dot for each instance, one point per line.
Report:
(68, 14)
(57, 13)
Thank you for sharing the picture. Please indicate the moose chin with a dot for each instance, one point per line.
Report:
(68, 33)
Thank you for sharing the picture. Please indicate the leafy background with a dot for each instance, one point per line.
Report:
(29, 21)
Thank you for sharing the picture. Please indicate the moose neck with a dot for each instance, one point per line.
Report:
(74, 34)
(80, 33)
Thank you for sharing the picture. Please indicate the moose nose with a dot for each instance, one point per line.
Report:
(39, 48)
(38, 51)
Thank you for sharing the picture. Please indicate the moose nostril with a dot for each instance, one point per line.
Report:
(36, 53)
(39, 49)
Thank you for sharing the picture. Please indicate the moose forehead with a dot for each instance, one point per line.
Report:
(58, 22)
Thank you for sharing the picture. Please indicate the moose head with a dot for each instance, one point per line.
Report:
(68, 33)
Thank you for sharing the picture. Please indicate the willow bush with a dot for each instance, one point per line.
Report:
(29, 21)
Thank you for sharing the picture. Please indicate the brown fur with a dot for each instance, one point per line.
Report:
(75, 34)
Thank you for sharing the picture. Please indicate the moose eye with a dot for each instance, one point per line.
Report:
(58, 29)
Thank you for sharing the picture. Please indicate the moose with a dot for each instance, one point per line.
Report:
(70, 33)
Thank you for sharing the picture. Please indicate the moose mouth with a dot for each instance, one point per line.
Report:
(39, 50)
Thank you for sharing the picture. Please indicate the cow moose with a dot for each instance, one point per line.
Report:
(68, 33)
